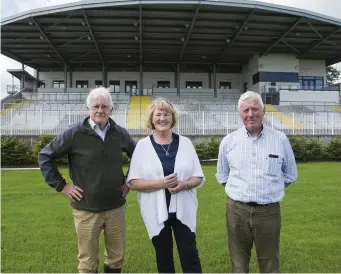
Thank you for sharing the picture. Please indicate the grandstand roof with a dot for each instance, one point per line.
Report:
(160, 34)
(17, 73)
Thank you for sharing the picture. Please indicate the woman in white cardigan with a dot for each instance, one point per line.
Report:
(165, 171)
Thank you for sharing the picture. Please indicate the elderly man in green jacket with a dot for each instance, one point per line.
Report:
(94, 148)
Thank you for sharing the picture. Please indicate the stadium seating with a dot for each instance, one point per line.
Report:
(199, 114)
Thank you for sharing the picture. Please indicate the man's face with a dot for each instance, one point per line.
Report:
(252, 114)
(100, 111)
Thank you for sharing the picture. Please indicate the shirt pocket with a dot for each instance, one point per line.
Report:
(274, 165)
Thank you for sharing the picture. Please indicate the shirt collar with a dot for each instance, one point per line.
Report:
(248, 133)
(94, 126)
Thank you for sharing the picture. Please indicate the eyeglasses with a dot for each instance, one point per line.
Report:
(104, 108)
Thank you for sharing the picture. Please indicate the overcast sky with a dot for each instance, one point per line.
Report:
(12, 7)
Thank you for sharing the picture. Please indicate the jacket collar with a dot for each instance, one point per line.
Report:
(88, 128)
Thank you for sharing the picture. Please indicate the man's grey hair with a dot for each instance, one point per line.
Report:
(100, 92)
(250, 95)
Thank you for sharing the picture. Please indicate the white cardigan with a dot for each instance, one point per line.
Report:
(145, 164)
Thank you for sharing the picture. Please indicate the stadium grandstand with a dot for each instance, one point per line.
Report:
(201, 55)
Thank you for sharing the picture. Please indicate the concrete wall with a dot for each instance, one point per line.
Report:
(278, 62)
(150, 79)
(270, 63)
(313, 68)
(314, 96)
(49, 77)
(203, 77)
(236, 80)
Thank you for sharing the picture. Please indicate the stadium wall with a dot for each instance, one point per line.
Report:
(313, 68)
(280, 67)
(150, 79)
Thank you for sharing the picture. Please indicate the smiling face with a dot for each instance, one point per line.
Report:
(162, 116)
(252, 114)
(162, 120)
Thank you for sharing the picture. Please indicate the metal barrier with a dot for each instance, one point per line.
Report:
(36, 122)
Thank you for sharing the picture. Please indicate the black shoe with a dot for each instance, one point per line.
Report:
(107, 269)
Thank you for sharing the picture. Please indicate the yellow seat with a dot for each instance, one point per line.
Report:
(285, 118)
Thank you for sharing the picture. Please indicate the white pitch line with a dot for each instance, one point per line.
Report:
(20, 168)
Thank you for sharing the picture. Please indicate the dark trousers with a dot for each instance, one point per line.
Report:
(185, 241)
(248, 224)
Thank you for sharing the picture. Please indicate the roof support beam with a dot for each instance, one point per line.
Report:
(336, 45)
(61, 20)
(82, 55)
(314, 29)
(47, 39)
(282, 36)
(70, 42)
(320, 36)
(321, 41)
(234, 37)
(189, 33)
(12, 55)
(93, 36)
(290, 46)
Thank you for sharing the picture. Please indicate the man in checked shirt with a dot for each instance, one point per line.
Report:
(255, 164)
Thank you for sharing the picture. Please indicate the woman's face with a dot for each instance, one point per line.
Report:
(162, 120)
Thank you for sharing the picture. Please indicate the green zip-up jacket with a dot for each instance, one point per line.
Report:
(94, 165)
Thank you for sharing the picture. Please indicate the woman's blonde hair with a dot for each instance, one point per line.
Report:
(161, 104)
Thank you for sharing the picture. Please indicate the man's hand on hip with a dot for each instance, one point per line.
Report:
(73, 192)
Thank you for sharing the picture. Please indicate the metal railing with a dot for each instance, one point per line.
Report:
(13, 89)
(28, 122)
(304, 106)
(72, 97)
(297, 87)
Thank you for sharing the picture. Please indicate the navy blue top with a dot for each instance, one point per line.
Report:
(167, 162)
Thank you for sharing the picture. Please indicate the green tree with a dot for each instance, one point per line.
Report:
(333, 75)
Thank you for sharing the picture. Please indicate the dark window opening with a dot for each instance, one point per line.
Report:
(82, 84)
(163, 84)
(114, 86)
(58, 84)
(131, 87)
(98, 83)
(193, 84)
(225, 85)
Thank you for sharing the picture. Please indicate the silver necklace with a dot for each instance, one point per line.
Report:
(166, 151)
